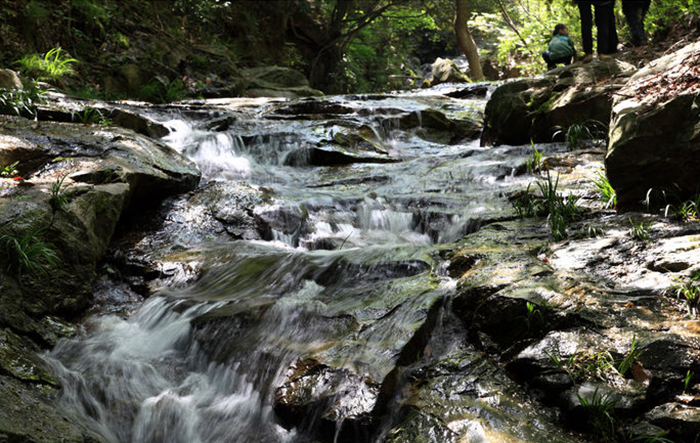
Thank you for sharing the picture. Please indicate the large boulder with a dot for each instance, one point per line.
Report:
(78, 181)
(535, 109)
(275, 81)
(655, 130)
(445, 71)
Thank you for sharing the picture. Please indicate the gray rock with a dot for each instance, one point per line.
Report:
(654, 136)
(445, 71)
(682, 420)
(275, 81)
(534, 109)
(9, 79)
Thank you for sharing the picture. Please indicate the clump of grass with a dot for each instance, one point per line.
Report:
(606, 191)
(29, 253)
(52, 66)
(90, 116)
(689, 292)
(629, 359)
(600, 413)
(19, 102)
(689, 209)
(577, 133)
(58, 198)
(587, 364)
(638, 231)
(560, 210)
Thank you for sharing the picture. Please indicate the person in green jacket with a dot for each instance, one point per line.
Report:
(561, 48)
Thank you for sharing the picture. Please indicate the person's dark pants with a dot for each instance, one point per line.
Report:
(635, 11)
(552, 63)
(604, 21)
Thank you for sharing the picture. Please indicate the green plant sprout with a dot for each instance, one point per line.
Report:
(605, 190)
(686, 381)
(58, 197)
(629, 359)
(533, 316)
(534, 165)
(9, 170)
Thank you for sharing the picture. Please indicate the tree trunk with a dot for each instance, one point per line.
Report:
(465, 40)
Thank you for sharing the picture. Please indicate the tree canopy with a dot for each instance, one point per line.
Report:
(340, 45)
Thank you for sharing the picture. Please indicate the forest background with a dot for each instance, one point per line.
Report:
(166, 50)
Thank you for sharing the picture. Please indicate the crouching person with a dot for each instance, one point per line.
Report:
(560, 49)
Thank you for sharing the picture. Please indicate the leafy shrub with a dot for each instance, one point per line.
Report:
(51, 66)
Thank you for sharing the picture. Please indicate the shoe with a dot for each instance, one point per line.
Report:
(588, 58)
(605, 56)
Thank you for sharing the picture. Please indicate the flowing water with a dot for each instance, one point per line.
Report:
(345, 276)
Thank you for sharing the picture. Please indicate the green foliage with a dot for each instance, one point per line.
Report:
(534, 165)
(376, 58)
(162, 90)
(638, 231)
(20, 102)
(576, 134)
(534, 318)
(90, 116)
(600, 413)
(29, 253)
(629, 359)
(52, 66)
(560, 210)
(9, 170)
(689, 209)
(606, 191)
(689, 291)
(686, 380)
(58, 198)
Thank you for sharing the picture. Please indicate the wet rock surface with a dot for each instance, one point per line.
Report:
(375, 301)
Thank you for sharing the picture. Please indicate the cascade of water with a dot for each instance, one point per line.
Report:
(208, 361)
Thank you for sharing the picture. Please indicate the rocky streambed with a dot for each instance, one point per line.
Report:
(351, 268)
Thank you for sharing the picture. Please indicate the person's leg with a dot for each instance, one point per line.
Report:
(586, 28)
(614, 40)
(548, 60)
(602, 22)
(565, 60)
(645, 9)
(633, 16)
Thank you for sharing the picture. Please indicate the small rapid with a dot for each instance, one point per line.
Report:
(281, 337)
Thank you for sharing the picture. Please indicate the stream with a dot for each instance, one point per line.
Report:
(303, 331)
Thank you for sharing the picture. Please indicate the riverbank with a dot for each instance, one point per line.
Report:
(351, 268)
